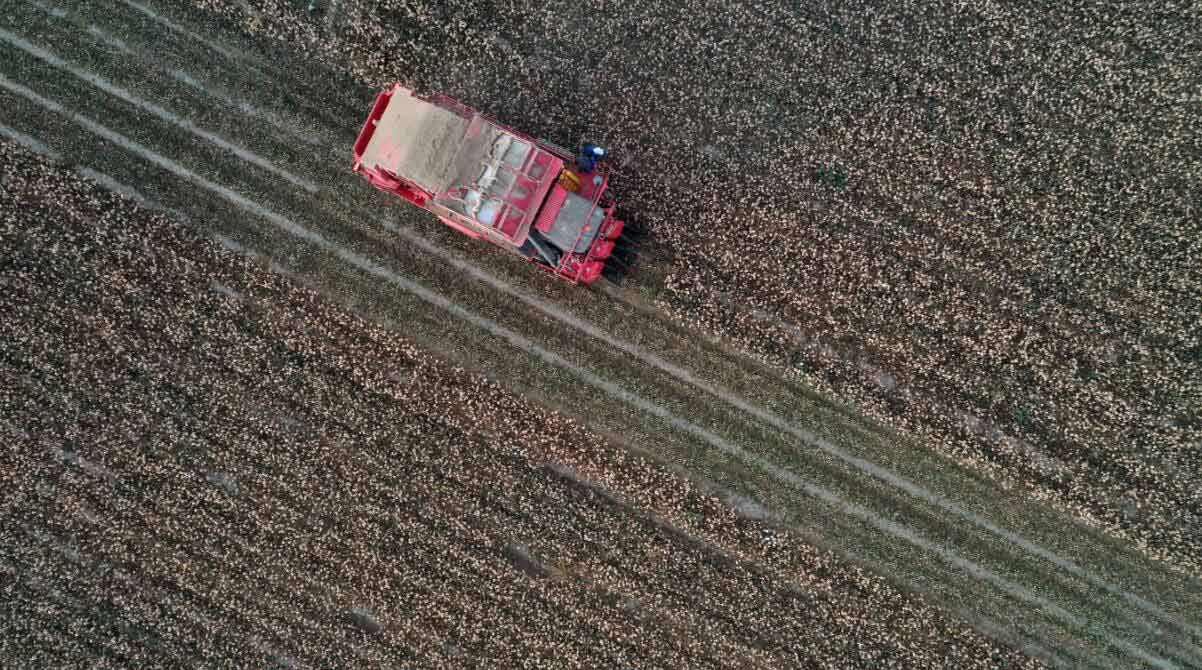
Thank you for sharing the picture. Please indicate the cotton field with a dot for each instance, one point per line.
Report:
(908, 375)
(979, 224)
(211, 465)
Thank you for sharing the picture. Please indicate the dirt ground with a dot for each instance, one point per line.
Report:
(994, 206)
(214, 466)
(247, 142)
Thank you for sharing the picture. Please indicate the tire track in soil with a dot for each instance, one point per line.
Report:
(154, 503)
(151, 108)
(351, 478)
(31, 143)
(342, 477)
(1074, 569)
(359, 476)
(777, 422)
(889, 527)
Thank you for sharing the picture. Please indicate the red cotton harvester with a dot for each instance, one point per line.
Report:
(489, 181)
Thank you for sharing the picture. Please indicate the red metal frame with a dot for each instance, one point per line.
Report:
(380, 178)
(577, 268)
(586, 267)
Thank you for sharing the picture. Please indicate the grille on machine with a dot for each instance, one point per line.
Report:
(554, 201)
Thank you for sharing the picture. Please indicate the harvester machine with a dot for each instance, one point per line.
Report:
(484, 179)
